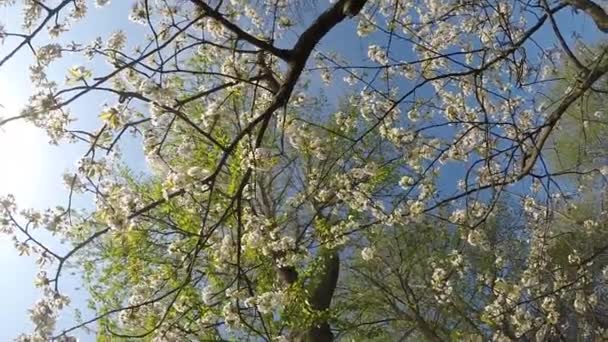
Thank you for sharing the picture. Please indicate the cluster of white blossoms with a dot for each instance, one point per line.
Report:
(549, 306)
(77, 74)
(261, 159)
(230, 312)
(116, 206)
(441, 284)
(138, 13)
(345, 122)
(477, 238)
(368, 253)
(506, 297)
(416, 208)
(365, 25)
(143, 302)
(355, 189)
(377, 54)
(45, 312)
(304, 139)
(117, 41)
(48, 53)
(160, 95)
(267, 302)
(263, 236)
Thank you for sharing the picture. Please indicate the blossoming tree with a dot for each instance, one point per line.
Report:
(418, 204)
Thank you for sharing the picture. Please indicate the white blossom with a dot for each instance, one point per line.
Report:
(367, 253)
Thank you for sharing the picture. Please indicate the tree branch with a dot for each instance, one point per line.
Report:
(28, 38)
(596, 12)
(582, 86)
(240, 33)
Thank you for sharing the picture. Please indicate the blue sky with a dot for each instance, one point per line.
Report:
(31, 169)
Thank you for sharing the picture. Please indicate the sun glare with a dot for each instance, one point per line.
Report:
(23, 151)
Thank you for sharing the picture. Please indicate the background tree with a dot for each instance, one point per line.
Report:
(580, 143)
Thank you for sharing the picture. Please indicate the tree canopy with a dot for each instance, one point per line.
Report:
(346, 170)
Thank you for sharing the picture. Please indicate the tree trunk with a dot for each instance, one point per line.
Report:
(321, 299)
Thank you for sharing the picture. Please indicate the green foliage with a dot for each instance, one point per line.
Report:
(580, 141)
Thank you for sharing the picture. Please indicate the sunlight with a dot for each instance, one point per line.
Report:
(23, 150)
